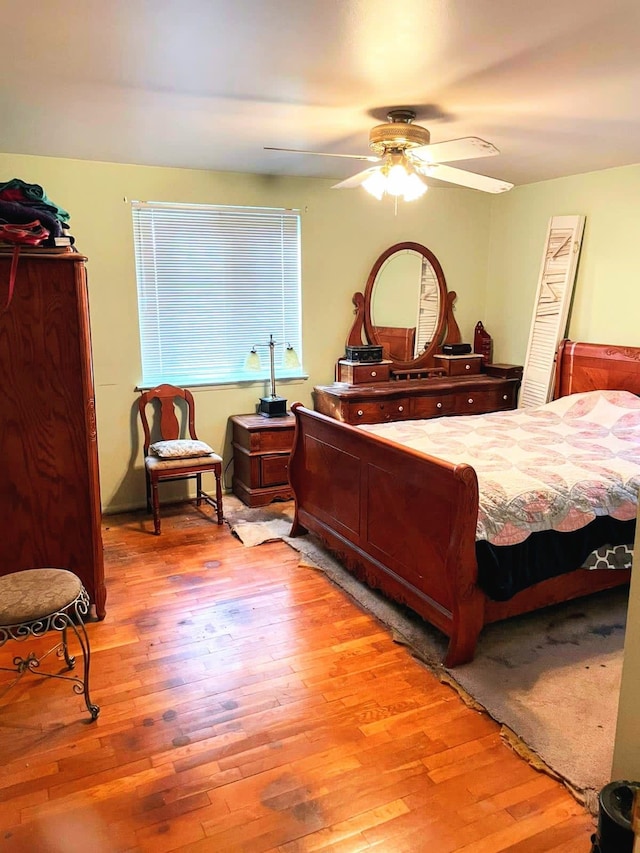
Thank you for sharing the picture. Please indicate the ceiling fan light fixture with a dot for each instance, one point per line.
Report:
(376, 184)
(414, 188)
(396, 177)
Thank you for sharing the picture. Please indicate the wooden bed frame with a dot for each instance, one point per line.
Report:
(405, 523)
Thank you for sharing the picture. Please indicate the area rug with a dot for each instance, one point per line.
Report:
(550, 678)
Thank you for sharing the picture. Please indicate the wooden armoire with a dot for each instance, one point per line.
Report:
(49, 485)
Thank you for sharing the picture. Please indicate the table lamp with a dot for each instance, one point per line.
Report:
(272, 405)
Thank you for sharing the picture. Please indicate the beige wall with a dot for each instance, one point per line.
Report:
(606, 297)
(343, 232)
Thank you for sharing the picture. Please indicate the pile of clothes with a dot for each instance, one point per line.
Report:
(23, 204)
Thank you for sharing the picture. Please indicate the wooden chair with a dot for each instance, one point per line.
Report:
(171, 457)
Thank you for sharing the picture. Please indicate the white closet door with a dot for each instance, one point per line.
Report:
(551, 309)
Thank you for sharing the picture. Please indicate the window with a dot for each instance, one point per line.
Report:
(213, 282)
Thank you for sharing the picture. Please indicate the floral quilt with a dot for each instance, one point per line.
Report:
(550, 467)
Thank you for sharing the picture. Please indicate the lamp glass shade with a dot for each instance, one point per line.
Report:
(414, 187)
(253, 361)
(291, 359)
(375, 184)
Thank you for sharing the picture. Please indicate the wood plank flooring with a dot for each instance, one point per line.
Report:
(249, 705)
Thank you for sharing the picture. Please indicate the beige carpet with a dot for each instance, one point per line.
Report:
(551, 677)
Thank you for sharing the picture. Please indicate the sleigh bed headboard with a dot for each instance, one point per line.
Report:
(590, 367)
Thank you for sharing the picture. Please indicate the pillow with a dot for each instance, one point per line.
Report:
(180, 448)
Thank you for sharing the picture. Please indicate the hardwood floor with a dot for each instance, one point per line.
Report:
(248, 705)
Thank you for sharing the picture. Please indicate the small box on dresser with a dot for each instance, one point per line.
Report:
(261, 448)
(504, 371)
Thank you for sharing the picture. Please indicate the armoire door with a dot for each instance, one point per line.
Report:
(50, 496)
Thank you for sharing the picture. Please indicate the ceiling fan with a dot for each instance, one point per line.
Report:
(406, 157)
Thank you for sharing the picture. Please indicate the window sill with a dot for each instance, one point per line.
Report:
(225, 383)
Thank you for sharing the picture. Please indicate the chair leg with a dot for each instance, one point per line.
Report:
(218, 474)
(148, 482)
(81, 635)
(68, 659)
(198, 489)
(156, 507)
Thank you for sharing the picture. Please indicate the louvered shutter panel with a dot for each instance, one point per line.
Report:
(551, 308)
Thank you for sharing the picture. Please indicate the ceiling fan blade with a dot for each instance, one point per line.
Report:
(466, 148)
(463, 178)
(355, 180)
(369, 157)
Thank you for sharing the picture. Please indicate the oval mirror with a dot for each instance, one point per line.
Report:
(405, 304)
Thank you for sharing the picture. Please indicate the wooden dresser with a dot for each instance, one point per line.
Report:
(261, 449)
(50, 495)
(419, 398)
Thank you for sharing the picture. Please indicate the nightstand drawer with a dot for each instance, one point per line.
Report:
(274, 470)
(375, 412)
(267, 442)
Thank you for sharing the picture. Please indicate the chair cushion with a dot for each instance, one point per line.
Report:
(205, 463)
(35, 593)
(180, 448)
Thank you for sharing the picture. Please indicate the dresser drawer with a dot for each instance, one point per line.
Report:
(431, 407)
(356, 373)
(477, 402)
(374, 412)
(274, 469)
(459, 365)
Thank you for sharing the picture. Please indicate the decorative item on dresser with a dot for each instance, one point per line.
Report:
(261, 458)
(50, 499)
(406, 521)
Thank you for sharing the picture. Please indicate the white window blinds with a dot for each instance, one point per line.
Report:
(213, 282)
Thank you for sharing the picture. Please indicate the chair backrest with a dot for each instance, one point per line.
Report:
(166, 424)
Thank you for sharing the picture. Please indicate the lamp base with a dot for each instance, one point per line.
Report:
(272, 407)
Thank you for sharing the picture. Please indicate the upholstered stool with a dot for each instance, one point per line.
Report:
(35, 601)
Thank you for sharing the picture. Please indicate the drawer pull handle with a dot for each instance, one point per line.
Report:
(373, 373)
(401, 408)
(467, 367)
(505, 397)
(470, 400)
(360, 413)
(438, 405)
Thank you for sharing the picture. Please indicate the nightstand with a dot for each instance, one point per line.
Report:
(261, 449)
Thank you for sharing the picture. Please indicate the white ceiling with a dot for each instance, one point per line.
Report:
(554, 84)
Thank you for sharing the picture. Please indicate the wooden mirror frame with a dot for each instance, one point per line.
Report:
(446, 331)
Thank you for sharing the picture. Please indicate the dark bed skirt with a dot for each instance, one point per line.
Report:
(504, 570)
